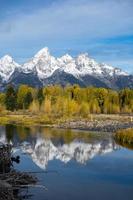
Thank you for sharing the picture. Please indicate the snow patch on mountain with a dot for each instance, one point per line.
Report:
(67, 64)
(7, 67)
(86, 65)
(111, 71)
(44, 65)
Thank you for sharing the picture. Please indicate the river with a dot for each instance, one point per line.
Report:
(72, 164)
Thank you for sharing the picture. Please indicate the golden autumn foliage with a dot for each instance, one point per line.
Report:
(70, 100)
(34, 106)
(46, 106)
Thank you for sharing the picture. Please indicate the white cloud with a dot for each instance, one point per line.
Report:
(89, 19)
(69, 24)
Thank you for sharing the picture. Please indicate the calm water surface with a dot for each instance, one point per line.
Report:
(79, 165)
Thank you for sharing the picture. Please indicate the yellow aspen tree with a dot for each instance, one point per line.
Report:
(74, 107)
(47, 108)
(58, 108)
(115, 108)
(84, 109)
(94, 107)
(34, 107)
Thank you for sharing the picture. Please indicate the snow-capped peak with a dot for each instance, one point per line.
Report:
(112, 71)
(43, 64)
(87, 65)
(66, 58)
(67, 64)
(119, 72)
(43, 53)
(7, 59)
(7, 67)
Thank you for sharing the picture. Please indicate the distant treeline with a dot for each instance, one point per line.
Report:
(67, 101)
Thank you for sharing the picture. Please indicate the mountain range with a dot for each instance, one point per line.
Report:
(44, 69)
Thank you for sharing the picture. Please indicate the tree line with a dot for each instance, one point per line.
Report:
(67, 101)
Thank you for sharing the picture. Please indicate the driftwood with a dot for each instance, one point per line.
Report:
(12, 181)
(5, 158)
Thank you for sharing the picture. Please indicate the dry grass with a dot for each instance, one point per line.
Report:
(124, 136)
(31, 118)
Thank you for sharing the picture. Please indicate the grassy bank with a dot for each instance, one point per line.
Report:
(124, 137)
(26, 119)
(93, 121)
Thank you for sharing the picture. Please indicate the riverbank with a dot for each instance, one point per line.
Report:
(104, 123)
(103, 126)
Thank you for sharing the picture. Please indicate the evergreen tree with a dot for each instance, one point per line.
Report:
(21, 95)
(27, 100)
(10, 98)
(40, 96)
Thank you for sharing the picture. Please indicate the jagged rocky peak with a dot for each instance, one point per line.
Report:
(7, 59)
(7, 67)
(43, 53)
(84, 58)
(119, 71)
(66, 58)
(42, 63)
(68, 65)
(112, 71)
(87, 65)
(83, 68)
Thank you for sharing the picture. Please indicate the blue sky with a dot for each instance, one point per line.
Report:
(103, 28)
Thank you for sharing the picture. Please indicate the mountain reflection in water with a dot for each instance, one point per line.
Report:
(44, 145)
(72, 164)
